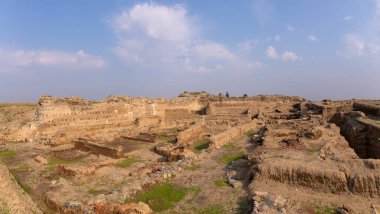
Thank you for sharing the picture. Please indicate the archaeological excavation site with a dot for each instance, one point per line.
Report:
(196, 153)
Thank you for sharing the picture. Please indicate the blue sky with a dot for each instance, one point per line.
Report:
(316, 49)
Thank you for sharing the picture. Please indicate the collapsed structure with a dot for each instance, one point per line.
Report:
(327, 148)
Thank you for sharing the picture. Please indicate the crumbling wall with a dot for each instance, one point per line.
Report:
(98, 149)
(191, 134)
(222, 138)
(328, 109)
(58, 120)
(330, 180)
(84, 169)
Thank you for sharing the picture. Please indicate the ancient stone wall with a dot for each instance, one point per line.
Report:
(98, 149)
(192, 134)
(222, 138)
(62, 118)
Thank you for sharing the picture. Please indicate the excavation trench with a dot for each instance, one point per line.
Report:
(361, 132)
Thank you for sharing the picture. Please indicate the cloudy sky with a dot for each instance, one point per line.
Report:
(316, 49)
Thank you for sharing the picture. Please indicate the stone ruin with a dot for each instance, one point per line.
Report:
(328, 151)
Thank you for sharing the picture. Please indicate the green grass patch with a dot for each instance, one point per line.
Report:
(229, 158)
(24, 167)
(127, 162)
(229, 146)
(213, 209)
(196, 191)
(168, 139)
(49, 168)
(161, 197)
(95, 191)
(193, 167)
(243, 205)
(327, 209)
(6, 155)
(201, 144)
(23, 185)
(221, 182)
(249, 133)
(26, 188)
(53, 160)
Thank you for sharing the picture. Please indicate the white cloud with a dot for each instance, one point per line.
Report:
(271, 53)
(312, 38)
(159, 37)
(353, 46)
(290, 28)
(14, 59)
(348, 18)
(289, 56)
(247, 45)
(373, 48)
(211, 50)
(156, 21)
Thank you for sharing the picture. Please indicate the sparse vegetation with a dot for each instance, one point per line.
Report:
(201, 144)
(6, 155)
(4, 208)
(196, 191)
(213, 209)
(250, 133)
(127, 162)
(230, 145)
(54, 161)
(229, 158)
(243, 205)
(193, 167)
(221, 182)
(327, 210)
(12, 142)
(314, 147)
(95, 191)
(23, 185)
(24, 167)
(161, 197)
(168, 139)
